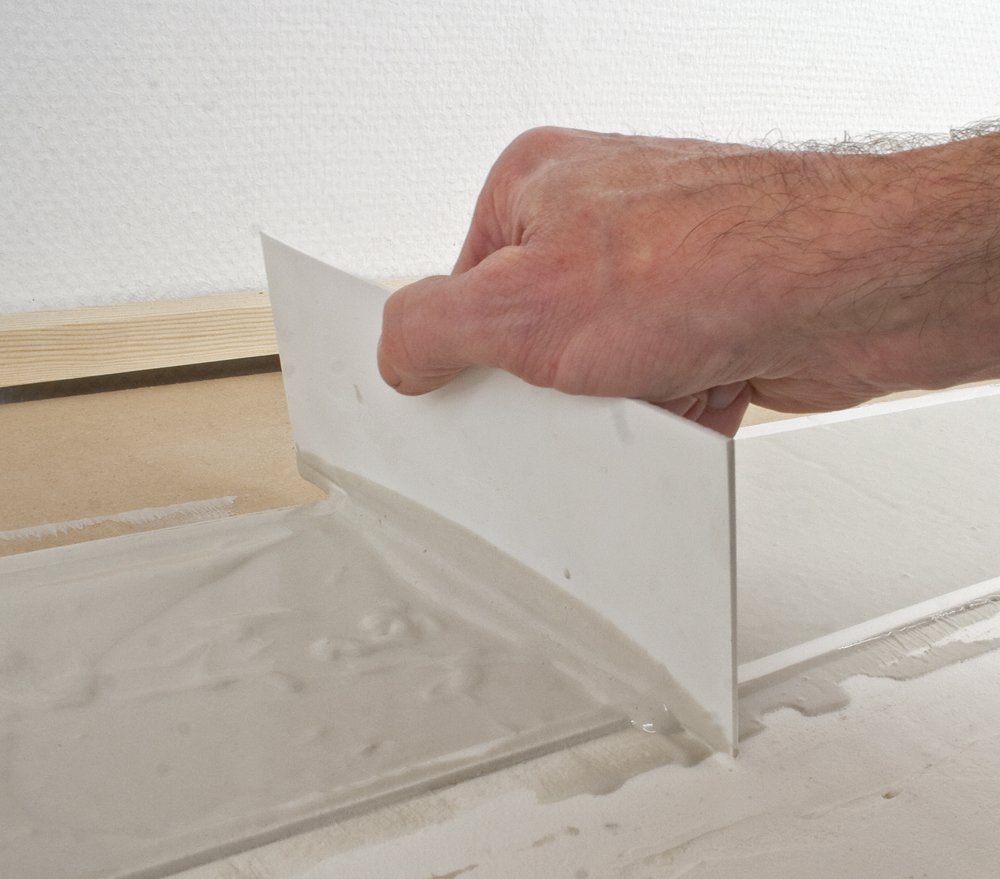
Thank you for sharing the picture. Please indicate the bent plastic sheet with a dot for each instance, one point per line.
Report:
(174, 696)
(629, 508)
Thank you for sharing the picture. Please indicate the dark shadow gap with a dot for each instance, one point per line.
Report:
(142, 378)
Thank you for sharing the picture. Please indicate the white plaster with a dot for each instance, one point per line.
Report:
(144, 145)
(165, 517)
(899, 782)
(174, 695)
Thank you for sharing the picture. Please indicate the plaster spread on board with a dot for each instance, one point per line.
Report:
(812, 688)
(207, 688)
(807, 793)
(165, 517)
(816, 687)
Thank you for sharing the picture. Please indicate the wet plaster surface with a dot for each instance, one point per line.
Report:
(878, 762)
(179, 695)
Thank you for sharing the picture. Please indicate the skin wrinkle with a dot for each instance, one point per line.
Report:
(542, 349)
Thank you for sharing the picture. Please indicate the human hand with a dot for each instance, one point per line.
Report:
(701, 276)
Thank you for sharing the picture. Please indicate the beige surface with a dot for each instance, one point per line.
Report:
(758, 415)
(104, 454)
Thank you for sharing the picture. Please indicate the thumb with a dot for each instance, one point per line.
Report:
(413, 352)
(433, 329)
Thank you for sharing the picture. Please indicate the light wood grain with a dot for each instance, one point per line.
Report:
(56, 345)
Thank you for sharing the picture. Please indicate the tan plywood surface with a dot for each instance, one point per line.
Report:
(222, 446)
(98, 456)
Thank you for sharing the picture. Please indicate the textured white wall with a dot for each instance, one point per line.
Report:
(143, 145)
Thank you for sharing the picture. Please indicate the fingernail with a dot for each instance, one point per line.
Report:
(722, 396)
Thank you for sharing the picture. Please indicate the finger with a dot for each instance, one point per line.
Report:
(689, 407)
(502, 212)
(723, 396)
(720, 408)
(726, 419)
(485, 235)
(433, 329)
(490, 228)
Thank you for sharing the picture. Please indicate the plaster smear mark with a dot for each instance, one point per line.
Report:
(454, 873)
(174, 514)
(552, 837)
(603, 765)
(814, 687)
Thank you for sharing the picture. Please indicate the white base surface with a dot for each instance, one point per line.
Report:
(899, 782)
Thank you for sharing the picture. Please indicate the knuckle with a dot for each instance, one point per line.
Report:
(536, 144)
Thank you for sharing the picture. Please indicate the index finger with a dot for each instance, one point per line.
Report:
(502, 213)
(488, 231)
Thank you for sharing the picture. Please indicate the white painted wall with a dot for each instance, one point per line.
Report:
(143, 145)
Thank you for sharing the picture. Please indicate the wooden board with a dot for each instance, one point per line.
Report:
(57, 345)
(98, 465)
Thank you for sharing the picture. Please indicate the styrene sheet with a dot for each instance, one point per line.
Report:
(849, 516)
(627, 507)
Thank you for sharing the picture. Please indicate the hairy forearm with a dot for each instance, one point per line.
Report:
(946, 202)
(884, 268)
